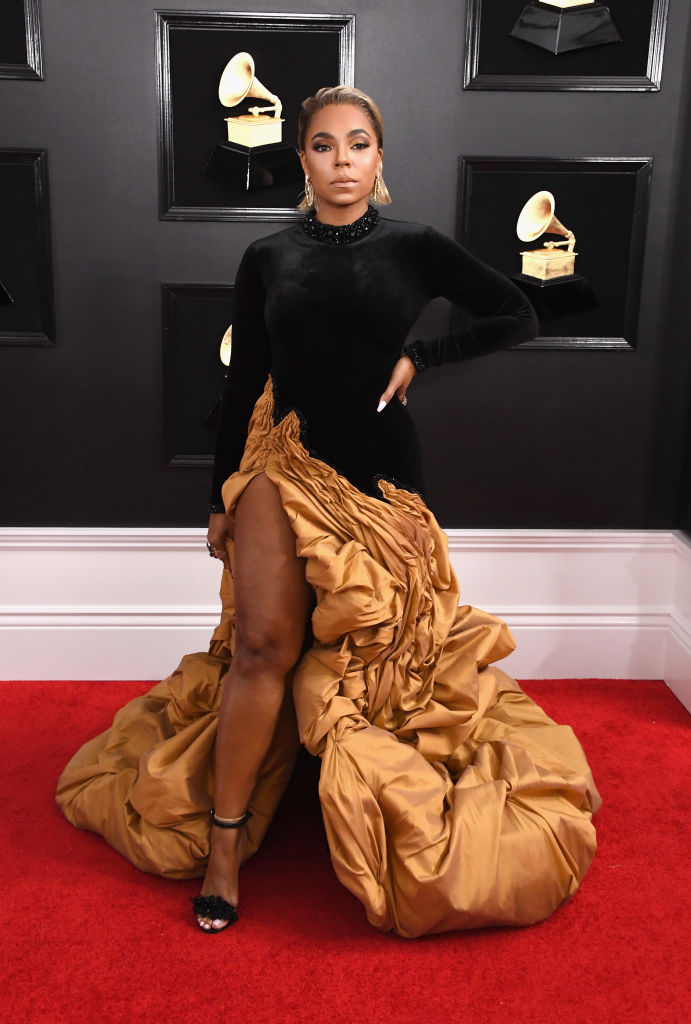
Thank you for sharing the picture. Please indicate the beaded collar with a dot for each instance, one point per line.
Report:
(341, 234)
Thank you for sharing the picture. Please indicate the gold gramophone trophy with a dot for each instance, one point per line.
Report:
(548, 274)
(550, 262)
(255, 128)
(564, 25)
(254, 156)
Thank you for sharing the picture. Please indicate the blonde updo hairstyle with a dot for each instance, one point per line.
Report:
(337, 94)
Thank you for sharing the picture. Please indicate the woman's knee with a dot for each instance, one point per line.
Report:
(272, 651)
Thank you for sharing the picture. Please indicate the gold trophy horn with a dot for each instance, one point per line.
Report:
(535, 219)
(239, 81)
(226, 346)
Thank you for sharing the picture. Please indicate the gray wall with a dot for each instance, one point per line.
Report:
(573, 439)
(674, 420)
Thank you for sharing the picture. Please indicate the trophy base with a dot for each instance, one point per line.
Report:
(253, 168)
(5, 297)
(547, 264)
(247, 130)
(562, 30)
(561, 295)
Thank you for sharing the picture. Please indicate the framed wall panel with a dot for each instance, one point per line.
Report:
(604, 201)
(20, 39)
(685, 504)
(27, 315)
(497, 60)
(195, 318)
(294, 55)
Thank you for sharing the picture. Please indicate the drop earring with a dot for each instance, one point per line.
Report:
(309, 192)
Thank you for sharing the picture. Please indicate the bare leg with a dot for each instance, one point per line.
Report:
(273, 602)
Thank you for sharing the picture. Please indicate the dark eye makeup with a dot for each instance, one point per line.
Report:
(319, 146)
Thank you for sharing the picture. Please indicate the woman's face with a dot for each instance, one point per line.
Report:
(342, 159)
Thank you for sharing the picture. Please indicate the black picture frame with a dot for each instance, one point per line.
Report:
(21, 54)
(684, 516)
(194, 320)
(495, 60)
(601, 199)
(26, 267)
(295, 54)
(685, 523)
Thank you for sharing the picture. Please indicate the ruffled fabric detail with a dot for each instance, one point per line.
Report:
(450, 799)
(214, 907)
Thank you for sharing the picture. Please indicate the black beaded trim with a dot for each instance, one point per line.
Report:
(341, 234)
(411, 350)
(396, 483)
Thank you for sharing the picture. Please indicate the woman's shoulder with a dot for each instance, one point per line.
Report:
(421, 241)
(276, 241)
(419, 237)
(405, 228)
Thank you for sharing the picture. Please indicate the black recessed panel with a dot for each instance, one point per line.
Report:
(497, 60)
(604, 202)
(293, 58)
(25, 249)
(20, 39)
(195, 318)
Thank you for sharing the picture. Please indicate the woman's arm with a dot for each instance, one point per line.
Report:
(250, 363)
(502, 314)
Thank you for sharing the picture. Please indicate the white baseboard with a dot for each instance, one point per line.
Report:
(127, 604)
(677, 670)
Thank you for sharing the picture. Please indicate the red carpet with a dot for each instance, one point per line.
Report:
(89, 938)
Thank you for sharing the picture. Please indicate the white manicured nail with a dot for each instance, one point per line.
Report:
(381, 405)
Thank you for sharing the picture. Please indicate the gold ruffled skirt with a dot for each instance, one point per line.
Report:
(450, 799)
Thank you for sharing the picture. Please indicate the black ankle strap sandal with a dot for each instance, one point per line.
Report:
(215, 908)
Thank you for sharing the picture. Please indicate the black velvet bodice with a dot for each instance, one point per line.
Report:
(329, 322)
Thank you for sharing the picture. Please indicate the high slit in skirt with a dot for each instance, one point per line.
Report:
(450, 799)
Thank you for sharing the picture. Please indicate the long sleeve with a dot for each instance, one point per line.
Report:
(502, 314)
(250, 363)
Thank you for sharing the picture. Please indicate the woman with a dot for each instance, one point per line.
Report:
(450, 800)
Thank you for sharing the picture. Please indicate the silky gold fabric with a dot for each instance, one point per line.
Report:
(450, 799)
